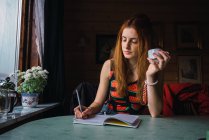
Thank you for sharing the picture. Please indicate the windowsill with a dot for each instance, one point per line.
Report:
(21, 114)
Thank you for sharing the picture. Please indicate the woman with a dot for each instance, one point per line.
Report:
(130, 78)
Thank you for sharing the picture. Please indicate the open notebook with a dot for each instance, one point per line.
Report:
(118, 120)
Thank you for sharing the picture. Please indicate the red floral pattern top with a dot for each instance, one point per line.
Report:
(130, 104)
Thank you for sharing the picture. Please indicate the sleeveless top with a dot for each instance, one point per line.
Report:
(130, 104)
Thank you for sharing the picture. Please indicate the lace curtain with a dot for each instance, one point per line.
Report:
(39, 27)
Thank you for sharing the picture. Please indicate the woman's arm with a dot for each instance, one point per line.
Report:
(154, 96)
(154, 89)
(96, 106)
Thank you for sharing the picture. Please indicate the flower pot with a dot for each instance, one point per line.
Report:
(29, 100)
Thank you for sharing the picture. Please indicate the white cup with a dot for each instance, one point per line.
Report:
(151, 52)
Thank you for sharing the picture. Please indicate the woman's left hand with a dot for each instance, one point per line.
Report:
(155, 66)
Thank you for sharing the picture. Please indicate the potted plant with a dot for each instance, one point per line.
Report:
(31, 83)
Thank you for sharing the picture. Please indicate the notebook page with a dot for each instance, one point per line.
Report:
(96, 120)
(126, 118)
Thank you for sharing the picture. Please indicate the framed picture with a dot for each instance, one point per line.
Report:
(104, 45)
(190, 69)
(188, 36)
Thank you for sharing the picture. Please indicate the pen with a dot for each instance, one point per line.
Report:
(79, 103)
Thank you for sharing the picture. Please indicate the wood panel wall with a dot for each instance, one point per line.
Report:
(84, 19)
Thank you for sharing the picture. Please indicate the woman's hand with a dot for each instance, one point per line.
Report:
(87, 112)
(155, 66)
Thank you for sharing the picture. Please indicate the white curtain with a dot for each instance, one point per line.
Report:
(10, 29)
(39, 27)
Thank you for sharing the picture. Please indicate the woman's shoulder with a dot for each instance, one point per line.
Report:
(107, 67)
(107, 64)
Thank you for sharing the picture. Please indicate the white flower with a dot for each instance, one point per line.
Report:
(35, 75)
(36, 68)
(33, 80)
(27, 76)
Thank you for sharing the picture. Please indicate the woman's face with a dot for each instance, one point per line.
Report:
(130, 43)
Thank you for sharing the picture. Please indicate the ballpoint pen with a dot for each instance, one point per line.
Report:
(79, 103)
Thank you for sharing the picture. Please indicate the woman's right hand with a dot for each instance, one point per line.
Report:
(87, 112)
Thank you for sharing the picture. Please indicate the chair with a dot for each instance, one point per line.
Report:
(87, 92)
(185, 99)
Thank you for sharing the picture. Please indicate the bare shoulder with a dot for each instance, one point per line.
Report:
(107, 64)
(106, 68)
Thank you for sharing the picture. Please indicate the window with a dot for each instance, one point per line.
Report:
(10, 15)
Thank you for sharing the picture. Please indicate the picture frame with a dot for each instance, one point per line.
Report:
(104, 45)
(188, 36)
(189, 69)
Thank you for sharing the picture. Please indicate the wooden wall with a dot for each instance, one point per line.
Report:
(84, 19)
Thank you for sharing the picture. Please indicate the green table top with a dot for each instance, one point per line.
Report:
(62, 128)
(20, 114)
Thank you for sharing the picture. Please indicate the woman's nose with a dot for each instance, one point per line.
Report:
(127, 45)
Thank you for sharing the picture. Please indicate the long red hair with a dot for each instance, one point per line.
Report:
(142, 25)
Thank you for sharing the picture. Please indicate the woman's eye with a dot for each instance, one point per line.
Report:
(124, 40)
(134, 41)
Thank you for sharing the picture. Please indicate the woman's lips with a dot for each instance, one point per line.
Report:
(126, 52)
